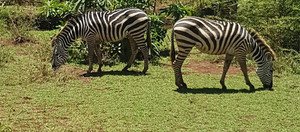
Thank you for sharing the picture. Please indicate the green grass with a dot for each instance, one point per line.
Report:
(33, 98)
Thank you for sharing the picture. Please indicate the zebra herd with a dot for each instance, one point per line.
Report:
(209, 36)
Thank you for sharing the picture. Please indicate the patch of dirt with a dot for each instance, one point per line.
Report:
(77, 72)
(214, 67)
(5, 42)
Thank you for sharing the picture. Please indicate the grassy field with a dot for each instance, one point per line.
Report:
(33, 98)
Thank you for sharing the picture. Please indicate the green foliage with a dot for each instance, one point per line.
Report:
(141, 4)
(277, 20)
(78, 52)
(177, 11)
(157, 33)
(54, 8)
(225, 9)
(52, 14)
(99, 5)
(288, 61)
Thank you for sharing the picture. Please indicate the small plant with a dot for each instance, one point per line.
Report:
(5, 56)
(141, 4)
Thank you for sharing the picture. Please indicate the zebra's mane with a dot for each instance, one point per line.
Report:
(262, 43)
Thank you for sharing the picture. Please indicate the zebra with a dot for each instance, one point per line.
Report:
(221, 37)
(104, 26)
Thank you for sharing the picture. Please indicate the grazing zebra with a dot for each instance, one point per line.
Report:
(104, 26)
(220, 37)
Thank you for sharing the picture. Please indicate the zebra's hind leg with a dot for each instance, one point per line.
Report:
(177, 64)
(242, 61)
(99, 57)
(228, 59)
(178, 74)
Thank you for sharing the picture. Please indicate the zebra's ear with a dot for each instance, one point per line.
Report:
(269, 57)
(67, 17)
(53, 41)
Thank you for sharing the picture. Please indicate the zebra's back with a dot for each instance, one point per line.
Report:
(110, 26)
(209, 36)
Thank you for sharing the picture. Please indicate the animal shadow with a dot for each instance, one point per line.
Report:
(117, 73)
(206, 90)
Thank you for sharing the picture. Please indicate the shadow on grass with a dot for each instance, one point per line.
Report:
(214, 91)
(123, 73)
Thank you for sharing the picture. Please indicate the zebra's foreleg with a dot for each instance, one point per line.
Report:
(134, 51)
(91, 48)
(99, 57)
(242, 63)
(228, 59)
(145, 53)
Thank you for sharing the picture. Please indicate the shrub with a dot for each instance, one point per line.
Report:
(277, 20)
(52, 14)
(288, 61)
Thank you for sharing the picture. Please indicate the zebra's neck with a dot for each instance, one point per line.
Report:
(73, 30)
(258, 54)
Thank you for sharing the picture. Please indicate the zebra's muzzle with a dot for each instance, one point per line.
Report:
(54, 67)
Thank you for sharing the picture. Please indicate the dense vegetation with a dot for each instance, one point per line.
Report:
(33, 97)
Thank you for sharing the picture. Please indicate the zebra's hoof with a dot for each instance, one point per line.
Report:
(88, 72)
(252, 89)
(270, 89)
(144, 71)
(224, 88)
(99, 71)
(182, 86)
(125, 69)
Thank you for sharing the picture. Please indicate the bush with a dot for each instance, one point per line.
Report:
(53, 14)
(288, 61)
(278, 20)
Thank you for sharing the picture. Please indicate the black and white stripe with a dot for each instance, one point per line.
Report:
(105, 26)
(221, 37)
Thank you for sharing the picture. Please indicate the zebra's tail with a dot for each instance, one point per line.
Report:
(148, 39)
(172, 51)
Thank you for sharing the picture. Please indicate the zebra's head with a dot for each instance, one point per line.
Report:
(265, 71)
(59, 55)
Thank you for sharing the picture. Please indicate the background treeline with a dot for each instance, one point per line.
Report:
(278, 21)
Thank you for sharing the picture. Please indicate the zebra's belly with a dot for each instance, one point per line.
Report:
(105, 38)
(213, 50)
